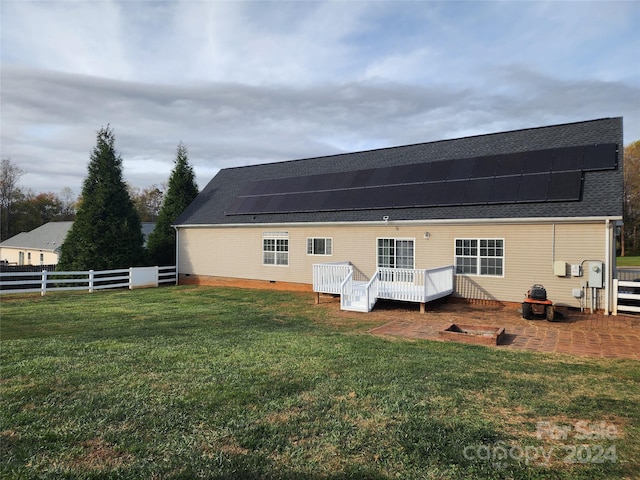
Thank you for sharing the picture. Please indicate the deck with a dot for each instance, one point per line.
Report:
(359, 293)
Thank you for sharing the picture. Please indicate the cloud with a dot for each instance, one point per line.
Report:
(249, 82)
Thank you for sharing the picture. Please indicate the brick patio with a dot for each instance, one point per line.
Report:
(574, 332)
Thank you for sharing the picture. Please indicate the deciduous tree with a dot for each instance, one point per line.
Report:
(9, 193)
(631, 232)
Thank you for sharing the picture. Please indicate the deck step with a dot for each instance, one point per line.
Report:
(355, 303)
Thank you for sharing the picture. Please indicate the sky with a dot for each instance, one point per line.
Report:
(242, 82)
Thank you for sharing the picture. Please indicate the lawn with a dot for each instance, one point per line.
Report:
(628, 261)
(193, 382)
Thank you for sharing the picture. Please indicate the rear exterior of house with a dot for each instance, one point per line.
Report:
(506, 210)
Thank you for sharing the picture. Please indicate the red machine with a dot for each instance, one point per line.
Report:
(536, 304)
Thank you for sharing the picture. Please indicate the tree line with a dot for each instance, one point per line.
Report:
(630, 233)
(108, 213)
(23, 210)
(107, 216)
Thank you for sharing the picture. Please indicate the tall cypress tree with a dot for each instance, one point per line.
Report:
(182, 190)
(106, 233)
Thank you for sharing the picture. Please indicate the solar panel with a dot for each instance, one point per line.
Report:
(533, 187)
(417, 194)
(379, 176)
(478, 191)
(453, 192)
(505, 189)
(439, 171)
(600, 157)
(564, 186)
(538, 161)
(485, 166)
(461, 169)
(569, 158)
(511, 164)
(535, 176)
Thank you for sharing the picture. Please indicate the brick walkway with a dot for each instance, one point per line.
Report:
(574, 332)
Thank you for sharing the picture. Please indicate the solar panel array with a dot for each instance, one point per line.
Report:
(551, 175)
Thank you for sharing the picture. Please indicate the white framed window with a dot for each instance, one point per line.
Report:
(396, 253)
(275, 248)
(319, 246)
(480, 256)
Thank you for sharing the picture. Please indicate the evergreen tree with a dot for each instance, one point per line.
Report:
(161, 243)
(107, 233)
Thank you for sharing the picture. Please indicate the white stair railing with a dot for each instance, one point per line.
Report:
(346, 291)
(372, 291)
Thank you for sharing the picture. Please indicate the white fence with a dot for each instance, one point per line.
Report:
(629, 293)
(43, 282)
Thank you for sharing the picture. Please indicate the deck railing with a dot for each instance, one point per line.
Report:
(404, 284)
(415, 285)
(328, 277)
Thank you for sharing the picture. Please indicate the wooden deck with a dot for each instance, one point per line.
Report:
(358, 293)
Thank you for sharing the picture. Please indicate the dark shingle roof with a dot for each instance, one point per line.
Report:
(602, 191)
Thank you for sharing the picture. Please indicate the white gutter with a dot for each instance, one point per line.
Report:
(466, 221)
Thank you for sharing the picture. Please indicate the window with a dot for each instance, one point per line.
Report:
(319, 246)
(395, 253)
(275, 248)
(479, 256)
(41, 258)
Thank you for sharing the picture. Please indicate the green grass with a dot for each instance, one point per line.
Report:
(628, 261)
(189, 382)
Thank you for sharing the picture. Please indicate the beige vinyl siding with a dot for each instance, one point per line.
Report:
(529, 252)
(12, 255)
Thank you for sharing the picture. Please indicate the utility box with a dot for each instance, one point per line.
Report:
(560, 268)
(576, 270)
(596, 274)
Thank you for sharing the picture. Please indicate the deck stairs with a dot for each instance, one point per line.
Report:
(356, 300)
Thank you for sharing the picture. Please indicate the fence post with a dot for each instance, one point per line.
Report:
(43, 288)
(91, 279)
(615, 296)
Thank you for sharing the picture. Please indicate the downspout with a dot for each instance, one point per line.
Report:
(610, 262)
(553, 244)
(177, 250)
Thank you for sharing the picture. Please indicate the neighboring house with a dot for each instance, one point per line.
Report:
(508, 210)
(41, 246)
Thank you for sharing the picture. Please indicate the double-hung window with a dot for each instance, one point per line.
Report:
(480, 256)
(319, 246)
(275, 248)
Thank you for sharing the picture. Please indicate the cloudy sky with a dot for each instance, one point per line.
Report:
(251, 82)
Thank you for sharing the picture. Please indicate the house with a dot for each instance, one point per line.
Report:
(506, 210)
(41, 246)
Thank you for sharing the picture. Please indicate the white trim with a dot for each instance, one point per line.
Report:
(464, 221)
